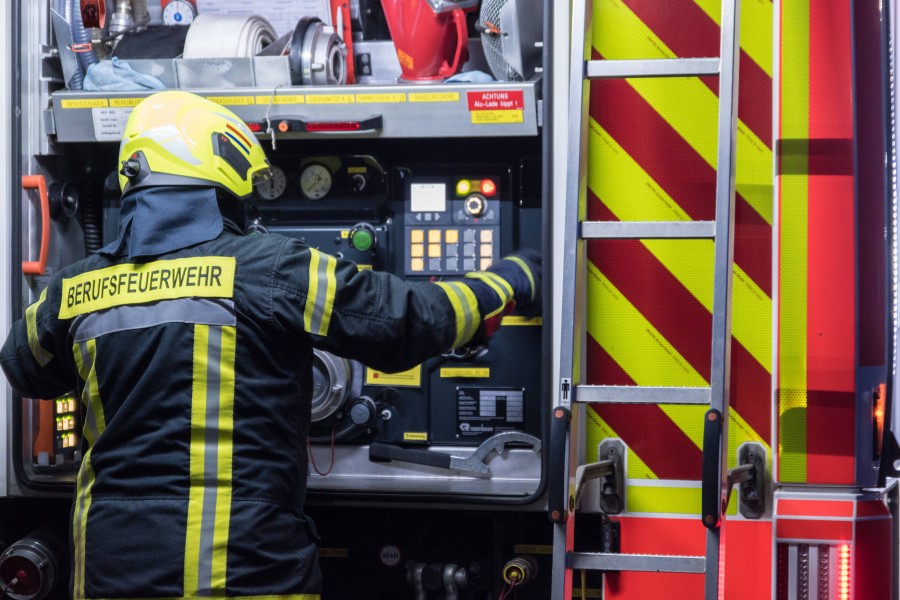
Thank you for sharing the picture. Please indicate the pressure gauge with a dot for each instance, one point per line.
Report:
(315, 181)
(178, 12)
(273, 187)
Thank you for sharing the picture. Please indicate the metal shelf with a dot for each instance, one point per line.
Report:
(498, 109)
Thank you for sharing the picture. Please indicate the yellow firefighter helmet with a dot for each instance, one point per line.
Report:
(181, 139)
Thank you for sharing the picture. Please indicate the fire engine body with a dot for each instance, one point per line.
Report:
(415, 165)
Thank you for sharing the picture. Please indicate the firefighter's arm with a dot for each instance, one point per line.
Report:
(513, 283)
(31, 357)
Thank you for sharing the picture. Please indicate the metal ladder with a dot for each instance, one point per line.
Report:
(566, 436)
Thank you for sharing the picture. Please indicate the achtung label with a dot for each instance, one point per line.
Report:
(200, 277)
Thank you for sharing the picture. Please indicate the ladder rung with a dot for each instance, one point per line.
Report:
(648, 229)
(635, 394)
(603, 561)
(654, 67)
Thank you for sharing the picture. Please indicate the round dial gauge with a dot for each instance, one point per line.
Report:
(273, 187)
(315, 181)
(178, 12)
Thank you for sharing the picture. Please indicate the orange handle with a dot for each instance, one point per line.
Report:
(40, 266)
(462, 45)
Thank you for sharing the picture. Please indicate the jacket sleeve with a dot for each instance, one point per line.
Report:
(34, 358)
(379, 319)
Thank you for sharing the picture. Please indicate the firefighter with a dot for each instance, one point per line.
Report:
(190, 343)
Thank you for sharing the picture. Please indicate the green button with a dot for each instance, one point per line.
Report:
(362, 240)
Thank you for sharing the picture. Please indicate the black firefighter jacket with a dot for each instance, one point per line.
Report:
(195, 370)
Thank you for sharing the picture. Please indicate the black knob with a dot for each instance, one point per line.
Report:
(363, 411)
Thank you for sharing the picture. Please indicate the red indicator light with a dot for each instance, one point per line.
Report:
(254, 127)
(488, 187)
(334, 126)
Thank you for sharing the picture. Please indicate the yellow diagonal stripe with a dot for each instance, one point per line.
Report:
(676, 499)
(755, 28)
(685, 103)
(632, 195)
(597, 431)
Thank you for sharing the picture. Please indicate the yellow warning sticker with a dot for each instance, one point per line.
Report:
(434, 97)
(376, 98)
(546, 549)
(331, 99)
(411, 378)
(357, 169)
(233, 100)
(405, 59)
(465, 372)
(124, 102)
(517, 320)
(488, 117)
(415, 436)
(85, 103)
(332, 552)
(286, 99)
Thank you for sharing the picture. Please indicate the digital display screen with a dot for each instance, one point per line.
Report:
(428, 197)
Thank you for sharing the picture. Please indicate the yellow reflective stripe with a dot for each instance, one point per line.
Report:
(597, 431)
(85, 355)
(677, 497)
(320, 294)
(269, 597)
(527, 270)
(226, 444)
(212, 431)
(84, 482)
(496, 283)
(635, 344)
(41, 355)
(793, 201)
(756, 29)
(634, 196)
(668, 96)
(465, 309)
(119, 285)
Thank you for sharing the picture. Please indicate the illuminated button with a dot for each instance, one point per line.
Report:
(486, 264)
(434, 236)
(488, 187)
(487, 250)
(416, 236)
(417, 250)
(451, 236)
(417, 264)
(468, 249)
(487, 235)
(463, 187)
(434, 250)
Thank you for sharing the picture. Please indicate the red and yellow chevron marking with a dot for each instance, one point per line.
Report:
(816, 309)
(652, 157)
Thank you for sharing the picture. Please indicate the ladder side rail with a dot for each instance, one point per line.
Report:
(572, 314)
(722, 286)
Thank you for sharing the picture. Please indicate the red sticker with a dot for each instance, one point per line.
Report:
(497, 100)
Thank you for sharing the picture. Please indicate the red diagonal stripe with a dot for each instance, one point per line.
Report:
(684, 322)
(690, 33)
(677, 168)
(642, 426)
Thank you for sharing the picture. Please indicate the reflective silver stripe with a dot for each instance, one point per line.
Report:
(320, 299)
(40, 354)
(88, 394)
(210, 463)
(183, 310)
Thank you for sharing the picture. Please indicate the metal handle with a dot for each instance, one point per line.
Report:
(303, 125)
(388, 452)
(557, 503)
(39, 267)
(711, 494)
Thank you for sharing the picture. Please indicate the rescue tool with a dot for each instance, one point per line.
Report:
(471, 465)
